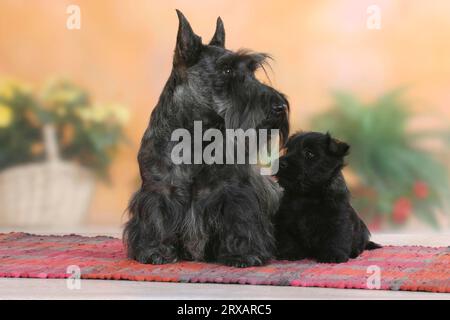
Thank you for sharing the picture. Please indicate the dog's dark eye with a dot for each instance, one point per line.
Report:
(309, 155)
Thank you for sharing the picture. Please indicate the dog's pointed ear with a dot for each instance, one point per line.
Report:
(219, 35)
(188, 45)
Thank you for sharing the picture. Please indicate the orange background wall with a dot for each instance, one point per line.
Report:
(123, 53)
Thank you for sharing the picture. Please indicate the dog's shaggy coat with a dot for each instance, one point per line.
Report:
(218, 212)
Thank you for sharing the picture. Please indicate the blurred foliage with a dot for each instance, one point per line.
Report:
(88, 133)
(18, 132)
(396, 177)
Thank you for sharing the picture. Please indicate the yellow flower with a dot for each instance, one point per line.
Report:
(10, 87)
(120, 113)
(6, 116)
(113, 113)
(84, 113)
(99, 114)
(59, 100)
(64, 96)
(60, 93)
(6, 90)
(92, 114)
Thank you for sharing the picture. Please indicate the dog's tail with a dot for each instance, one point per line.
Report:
(372, 246)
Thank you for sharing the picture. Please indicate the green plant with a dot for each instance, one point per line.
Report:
(19, 131)
(88, 133)
(397, 177)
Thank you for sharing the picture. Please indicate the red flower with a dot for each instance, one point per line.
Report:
(402, 210)
(421, 190)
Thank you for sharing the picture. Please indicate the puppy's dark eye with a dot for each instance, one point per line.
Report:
(309, 155)
(227, 71)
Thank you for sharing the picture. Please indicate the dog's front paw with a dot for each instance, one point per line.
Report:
(333, 257)
(243, 261)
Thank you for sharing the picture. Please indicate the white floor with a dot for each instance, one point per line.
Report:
(101, 289)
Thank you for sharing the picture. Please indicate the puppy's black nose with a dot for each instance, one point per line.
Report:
(278, 108)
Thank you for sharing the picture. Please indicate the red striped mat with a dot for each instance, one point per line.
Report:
(412, 268)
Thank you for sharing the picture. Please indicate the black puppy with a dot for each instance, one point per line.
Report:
(316, 219)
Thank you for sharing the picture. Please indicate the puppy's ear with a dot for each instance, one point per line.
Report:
(188, 47)
(336, 147)
(343, 149)
(328, 139)
(219, 36)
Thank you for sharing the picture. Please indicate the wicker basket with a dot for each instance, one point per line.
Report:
(53, 193)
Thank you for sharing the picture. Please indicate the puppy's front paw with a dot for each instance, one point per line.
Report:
(333, 257)
(156, 257)
(242, 261)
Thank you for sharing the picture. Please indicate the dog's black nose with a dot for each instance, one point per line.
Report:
(278, 108)
(282, 163)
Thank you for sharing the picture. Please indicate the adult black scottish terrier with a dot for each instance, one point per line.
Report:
(316, 219)
(218, 212)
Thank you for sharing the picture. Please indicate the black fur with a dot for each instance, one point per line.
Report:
(205, 212)
(316, 219)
